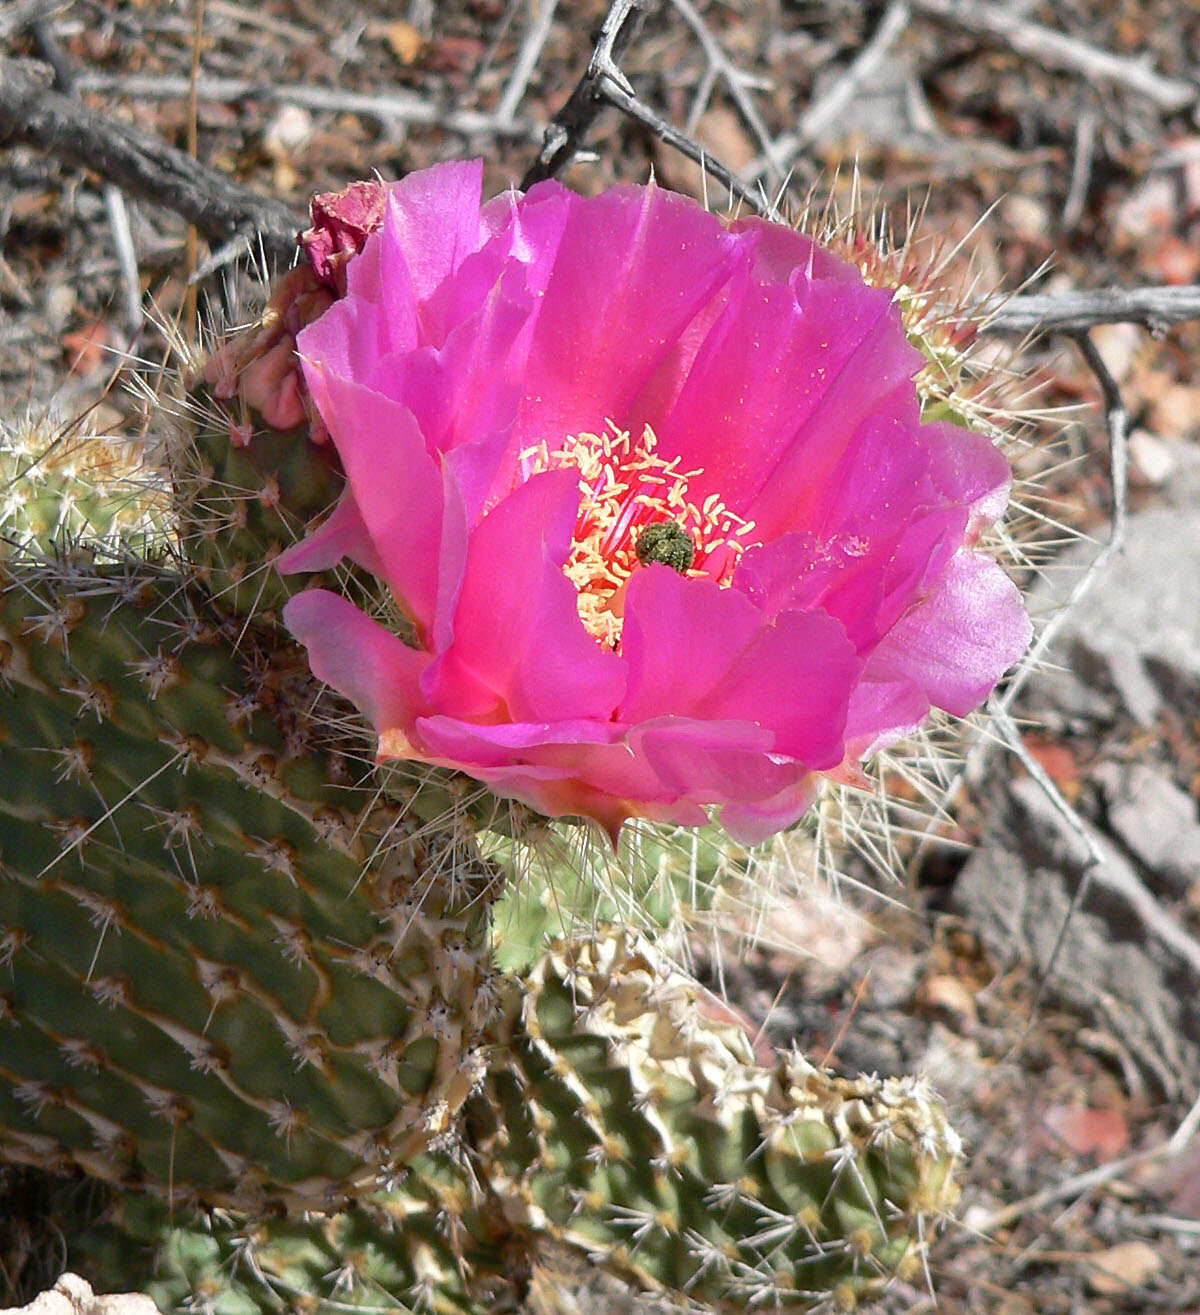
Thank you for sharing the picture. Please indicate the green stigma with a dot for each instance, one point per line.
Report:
(667, 542)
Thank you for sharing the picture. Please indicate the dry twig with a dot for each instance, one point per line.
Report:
(1056, 50)
(737, 80)
(527, 58)
(388, 110)
(20, 14)
(1076, 312)
(114, 198)
(564, 137)
(823, 113)
(33, 114)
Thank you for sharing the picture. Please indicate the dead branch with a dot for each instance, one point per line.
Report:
(387, 110)
(737, 81)
(114, 198)
(1056, 50)
(565, 135)
(34, 115)
(18, 15)
(526, 62)
(1075, 312)
(824, 111)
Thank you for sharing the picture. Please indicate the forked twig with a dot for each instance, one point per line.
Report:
(824, 111)
(1056, 50)
(564, 137)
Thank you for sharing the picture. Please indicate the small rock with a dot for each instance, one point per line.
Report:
(1156, 821)
(72, 1295)
(1119, 346)
(1133, 644)
(948, 995)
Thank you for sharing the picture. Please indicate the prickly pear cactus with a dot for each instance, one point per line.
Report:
(413, 1249)
(251, 982)
(621, 1123)
(231, 970)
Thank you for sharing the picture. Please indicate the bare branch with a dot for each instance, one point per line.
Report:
(527, 58)
(16, 17)
(384, 109)
(114, 198)
(34, 115)
(1075, 312)
(1056, 50)
(629, 104)
(565, 134)
(720, 65)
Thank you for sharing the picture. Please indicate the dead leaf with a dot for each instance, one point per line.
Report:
(1059, 761)
(1099, 1132)
(405, 41)
(1127, 1265)
(85, 348)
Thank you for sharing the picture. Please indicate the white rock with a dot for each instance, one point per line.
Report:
(72, 1295)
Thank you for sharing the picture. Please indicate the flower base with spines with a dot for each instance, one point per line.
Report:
(229, 968)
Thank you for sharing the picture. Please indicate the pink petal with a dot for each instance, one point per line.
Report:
(881, 714)
(397, 487)
(696, 650)
(958, 642)
(712, 761)
(752, 823)
(433, 219)
(632, 269)
(766, 449)
(341, 534)
(358, 657)
(519, 649)
(783, 254)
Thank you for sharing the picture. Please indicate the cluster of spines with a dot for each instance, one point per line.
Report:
(76, 487)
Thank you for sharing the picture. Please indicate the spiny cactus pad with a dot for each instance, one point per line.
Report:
(229, 968)
(63, 486)
(620, 1126)
(399, 1250)
(619, 1122)
(244, 491)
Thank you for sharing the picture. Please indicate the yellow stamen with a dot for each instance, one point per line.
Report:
(626, 487)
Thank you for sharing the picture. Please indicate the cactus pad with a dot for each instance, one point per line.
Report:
(622, 1124)
(230, 969)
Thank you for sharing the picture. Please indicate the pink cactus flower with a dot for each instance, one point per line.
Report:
(653, 490)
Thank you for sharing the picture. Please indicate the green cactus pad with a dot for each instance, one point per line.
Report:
(403, 1249)
(231, 969)
(624, 1122)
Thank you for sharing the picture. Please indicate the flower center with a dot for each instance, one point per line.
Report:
(635, 510)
